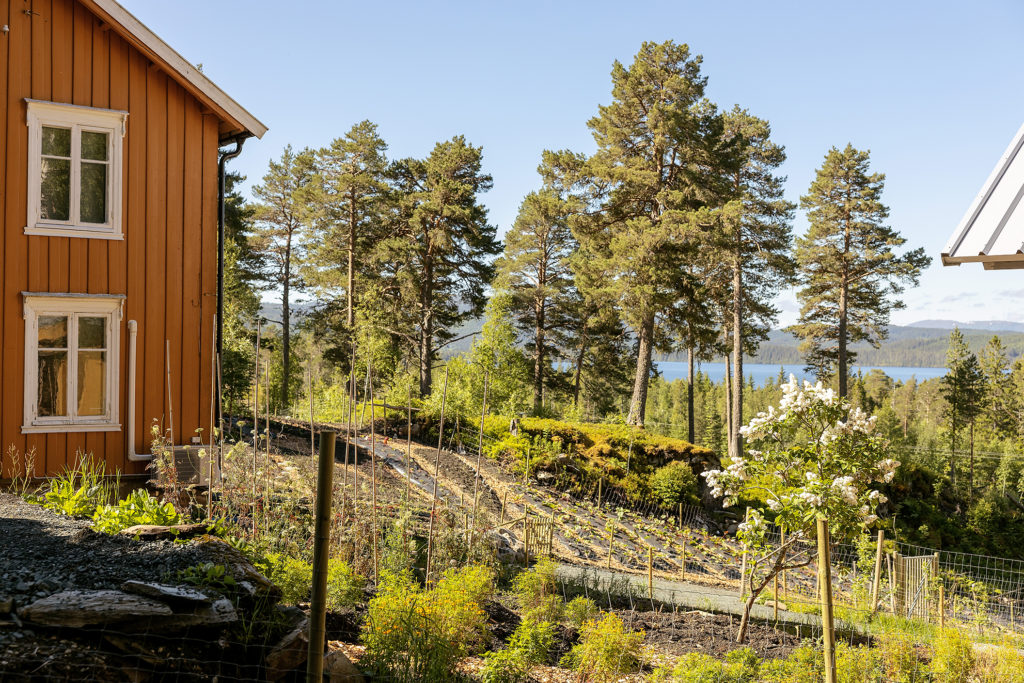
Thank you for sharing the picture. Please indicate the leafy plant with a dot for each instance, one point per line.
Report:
(536, 592)
(344, 586)
(953, 658)
(138, 508)
(209, 575)
(293, 576)
(674, 483)
(606, 650)
(77, 491)
(579, 611)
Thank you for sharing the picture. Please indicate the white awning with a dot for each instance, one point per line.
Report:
(992, 230)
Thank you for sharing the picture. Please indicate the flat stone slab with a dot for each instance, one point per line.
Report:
(76, 609)
(156, 532)
(167, 593)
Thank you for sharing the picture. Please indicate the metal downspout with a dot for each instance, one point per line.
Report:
(221, 177)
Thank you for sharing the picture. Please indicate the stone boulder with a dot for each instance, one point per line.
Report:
(172, 594)
(339, 668)
(238, 566)
(289, 653)
(80, 608)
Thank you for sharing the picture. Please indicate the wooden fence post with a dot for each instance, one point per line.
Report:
(611, 542)
(600, 481)
(878, 571)
(321, 540)
(785, 583)
(680, 516)
(526, 538)
(942, 606)
(827, 625)
(898, 591)
(683, 560)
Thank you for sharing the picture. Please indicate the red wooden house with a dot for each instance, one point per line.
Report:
(110, 163)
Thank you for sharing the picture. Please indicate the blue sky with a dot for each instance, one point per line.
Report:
(933, 89)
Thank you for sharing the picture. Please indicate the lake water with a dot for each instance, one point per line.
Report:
(762, 372)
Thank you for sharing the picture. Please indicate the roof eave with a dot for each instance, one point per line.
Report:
(238, 119)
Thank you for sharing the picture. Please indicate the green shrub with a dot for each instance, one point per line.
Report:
(900, 661)
(293, 576)
(857, 664)
(536, 592)
(1003, 664)
(412, 634)
(138, 508)
(674, 483)
(530, 644)
(579, 611)
(606, 650)
(953, 657)
(209, 575)
(504, 666)
(739, 666)
(804, 665)
(344, 586)
(77, 491)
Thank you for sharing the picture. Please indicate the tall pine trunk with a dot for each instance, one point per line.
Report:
(538, 357)
(577, 379)
(728, 404)
(844, 287)
(426, 327)
(638, 404)
(689, 395)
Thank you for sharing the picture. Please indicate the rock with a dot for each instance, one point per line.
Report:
(155, 532)
(289, 653)
(92, 608)
(6, 604)
(506, 544)
(184, 595)
(544, 478)
(220, 613)
(339, 668)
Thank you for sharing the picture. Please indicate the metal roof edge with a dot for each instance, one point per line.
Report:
(983, 196)
(112, 11)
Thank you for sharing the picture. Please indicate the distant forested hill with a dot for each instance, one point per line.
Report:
(906, 347)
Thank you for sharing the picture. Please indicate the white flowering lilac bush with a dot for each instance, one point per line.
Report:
(814, 457)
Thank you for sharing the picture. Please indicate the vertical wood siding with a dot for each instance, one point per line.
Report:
(166, 265)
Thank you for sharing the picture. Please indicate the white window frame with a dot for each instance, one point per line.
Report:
(37, 304)
(76, 118)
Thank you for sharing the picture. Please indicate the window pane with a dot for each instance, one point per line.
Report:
(57, 141)
(53, 331)
(94, 145)
(94, 193)
(92, 389)
(55, 190)
(92, 333)
(53, 383)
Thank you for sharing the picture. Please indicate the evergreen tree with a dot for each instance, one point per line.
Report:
(536, 275)
(638, 189)
(280, 216)
(849, 271)
(964, 389)
(1000, 399)
(350, 195)
(758, 239)
(442, 246)
(241, 301)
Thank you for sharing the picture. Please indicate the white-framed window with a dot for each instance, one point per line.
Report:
(71, 360)
(74, 170)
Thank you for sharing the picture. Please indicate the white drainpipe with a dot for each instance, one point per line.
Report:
(133, 333)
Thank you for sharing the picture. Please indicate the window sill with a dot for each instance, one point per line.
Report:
(70, 428)
(73, 231)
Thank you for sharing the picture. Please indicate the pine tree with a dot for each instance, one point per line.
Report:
(535, 273)
(964, 389)
(639, 188)
(998, 410)
(443, 245)
(281, 215)
(350, 194)
(758, 238)
(241, 302)
(848, 268)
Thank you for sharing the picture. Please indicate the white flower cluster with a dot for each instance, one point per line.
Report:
(887, 469)
(847, 491)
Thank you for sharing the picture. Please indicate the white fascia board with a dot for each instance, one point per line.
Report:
(180, 65)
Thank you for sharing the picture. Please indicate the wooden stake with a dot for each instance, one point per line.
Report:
(321, 541)
(220, 419)
(312, 438)
(437, 467)
(683, 560)
(775, 594)
(373, 470)
(743, 565)
(785, 583)
(680, 516)
(526, 538)
(942, 607)
(266, 473)
(479, 455)
(650, 573)
(611, 542)
(170, 397)
(408, 452)
(600, 482)
(213, 400)
(878, 571)
(256, 420)
(827, 625)
(504, 499)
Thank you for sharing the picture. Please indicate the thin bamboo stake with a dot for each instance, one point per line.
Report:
(437, 467)
(785, 583)
(942, 608)
(600, 482)
(526, 537)
(680, 515)
(354, 433)
(256, 420)
(408, 451)
(682, 560)
(611, 542)
(650, 573)
(373, 469)
(479, 455)
(266, 473)
(170, 398)
(220, 420)
(312, 438)
(213, 400)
